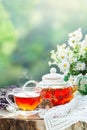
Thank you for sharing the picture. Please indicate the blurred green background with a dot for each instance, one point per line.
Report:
(29, 30)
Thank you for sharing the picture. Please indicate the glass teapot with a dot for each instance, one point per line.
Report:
(55, 89)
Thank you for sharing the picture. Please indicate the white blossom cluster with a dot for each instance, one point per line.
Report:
(71, 58)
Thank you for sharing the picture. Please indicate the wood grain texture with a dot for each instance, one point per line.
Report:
(31, 123)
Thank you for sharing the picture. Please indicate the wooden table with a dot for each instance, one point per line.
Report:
(11, 122)
(21, 122)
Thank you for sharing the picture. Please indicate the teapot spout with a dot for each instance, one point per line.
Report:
(75, 82)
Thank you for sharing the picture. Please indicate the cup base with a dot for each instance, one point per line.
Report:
(16, 110)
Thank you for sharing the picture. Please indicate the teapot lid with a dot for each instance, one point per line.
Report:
(52, 76)
(53, 80)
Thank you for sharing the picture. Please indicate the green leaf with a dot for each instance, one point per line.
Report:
(66, 78)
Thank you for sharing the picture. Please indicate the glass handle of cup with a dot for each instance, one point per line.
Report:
(28, 82)
(8, 99)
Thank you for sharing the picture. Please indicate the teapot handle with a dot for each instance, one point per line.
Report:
(75, 83)
(76, 79)
(28, 82)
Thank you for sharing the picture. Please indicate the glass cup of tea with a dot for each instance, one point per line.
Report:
(25, 98)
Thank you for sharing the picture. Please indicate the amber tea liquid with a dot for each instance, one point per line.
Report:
(58, 96)
(27, 102)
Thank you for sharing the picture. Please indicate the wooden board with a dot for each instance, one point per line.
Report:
(11, 122)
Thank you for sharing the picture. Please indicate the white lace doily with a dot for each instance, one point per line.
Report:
(61, 117)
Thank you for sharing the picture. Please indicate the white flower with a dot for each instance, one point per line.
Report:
(64, 66)
(52, 51)
(49, 63)
(85, 40)
(68, 50)
(81, 66)
(71, 58)
(53, 55)
(52, 63)
(82, 50)
(72, 79)
(63, 46)
(72, 42)
(84, 43)
(76, 34)
(62, 56)
(61, 52)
